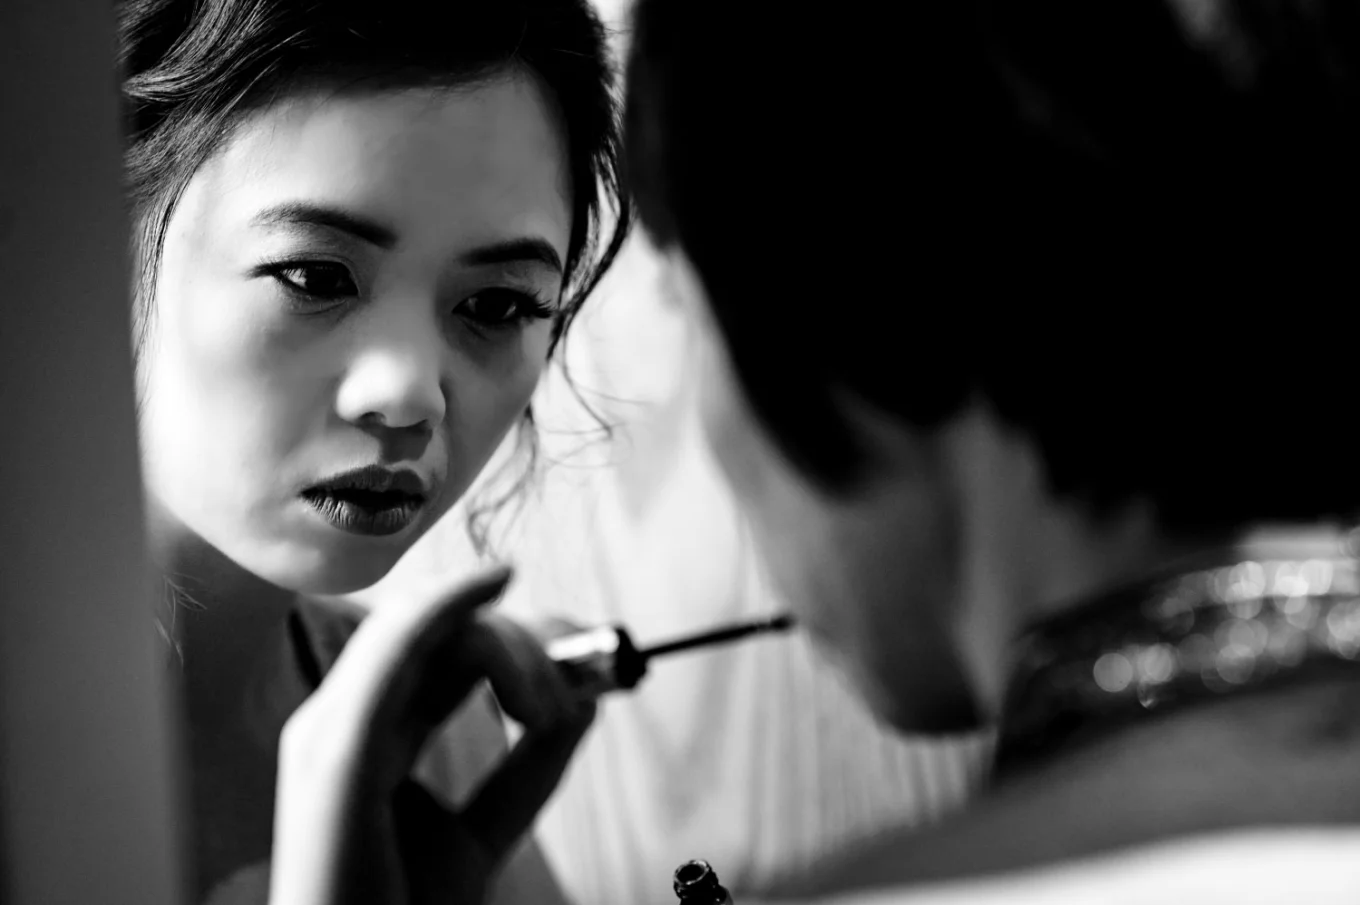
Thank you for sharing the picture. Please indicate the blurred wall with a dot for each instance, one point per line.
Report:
(86, 777)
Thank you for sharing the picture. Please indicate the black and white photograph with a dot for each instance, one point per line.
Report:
(640, 452)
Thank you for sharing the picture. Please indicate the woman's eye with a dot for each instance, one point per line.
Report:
(320, 280)
(497, 307)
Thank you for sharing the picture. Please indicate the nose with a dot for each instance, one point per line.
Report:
(396, 380)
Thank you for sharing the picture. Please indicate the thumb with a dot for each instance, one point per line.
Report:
(401, 646)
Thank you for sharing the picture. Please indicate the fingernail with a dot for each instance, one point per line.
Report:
(497, 579)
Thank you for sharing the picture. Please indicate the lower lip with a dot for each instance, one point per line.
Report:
(364, 520)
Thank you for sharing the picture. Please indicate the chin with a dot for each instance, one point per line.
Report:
(952, 712)
(913, 695)
(331, 575)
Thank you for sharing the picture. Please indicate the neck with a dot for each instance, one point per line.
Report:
(223, 618)
(238, 687)
(1030, 556)
(1274, 606)
(1269, 756)
(1027, 555)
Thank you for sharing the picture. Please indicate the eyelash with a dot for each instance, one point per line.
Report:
(278, 272)
(526, 306)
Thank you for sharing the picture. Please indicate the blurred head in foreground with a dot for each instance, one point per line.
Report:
(1004, 304)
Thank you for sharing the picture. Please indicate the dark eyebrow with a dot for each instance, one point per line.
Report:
(511, 251)
(514, 251)
(298, 212)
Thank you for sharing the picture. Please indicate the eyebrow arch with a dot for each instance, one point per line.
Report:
(303, 213)
(514, 251)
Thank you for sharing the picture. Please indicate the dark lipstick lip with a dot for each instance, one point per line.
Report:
(374, 479)
(335, 500)
(353, 518)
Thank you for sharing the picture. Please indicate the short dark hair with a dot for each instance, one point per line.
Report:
(192, 68)
(1071, 210)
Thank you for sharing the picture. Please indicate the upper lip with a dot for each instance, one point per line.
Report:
(376, 479)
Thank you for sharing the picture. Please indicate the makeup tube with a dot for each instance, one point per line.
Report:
(605, 659)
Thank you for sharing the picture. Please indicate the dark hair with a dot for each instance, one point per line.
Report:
(1072, 211)
(193, 68)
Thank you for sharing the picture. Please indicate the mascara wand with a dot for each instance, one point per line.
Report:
(606, 659)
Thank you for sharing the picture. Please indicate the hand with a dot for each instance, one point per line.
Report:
(350, 824)
(548, 627)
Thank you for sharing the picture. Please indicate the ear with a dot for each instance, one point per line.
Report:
(890, 446)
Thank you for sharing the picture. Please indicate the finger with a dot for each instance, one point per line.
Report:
(504, 807)
(444, 863)
(548, 627)
(535, 693)
(491, 650)
(529, 687)
(399, 650)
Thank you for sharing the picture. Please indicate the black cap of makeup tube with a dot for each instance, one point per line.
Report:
(599, 660)
(696, 884)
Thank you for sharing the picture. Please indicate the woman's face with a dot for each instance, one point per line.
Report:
(354, 281)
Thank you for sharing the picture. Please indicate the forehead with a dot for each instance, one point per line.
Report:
(468, 164)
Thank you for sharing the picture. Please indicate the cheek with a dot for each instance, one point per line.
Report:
(233, 383)
(872, 580)
(227, 336)
(489, 396)
(727, 428)
(787, 525)
(231, 367)
(229, 395)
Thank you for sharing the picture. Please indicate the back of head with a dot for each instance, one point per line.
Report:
(1114, 222)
